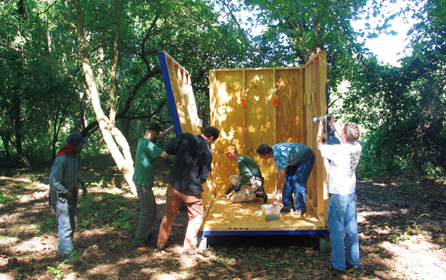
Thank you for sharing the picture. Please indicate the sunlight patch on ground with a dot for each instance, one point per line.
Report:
(173, 276)
(35, 244)
(112, 269)
(16, 180)
(428, 260)
(7, 241)
(5, 276)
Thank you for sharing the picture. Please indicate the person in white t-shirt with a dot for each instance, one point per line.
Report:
(342, 215)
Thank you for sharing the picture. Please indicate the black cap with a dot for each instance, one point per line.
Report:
(264, 149)
(154, 126)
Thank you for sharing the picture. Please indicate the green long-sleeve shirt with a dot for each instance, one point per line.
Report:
(248, 168)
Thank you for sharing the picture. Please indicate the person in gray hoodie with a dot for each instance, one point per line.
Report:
(64, 183)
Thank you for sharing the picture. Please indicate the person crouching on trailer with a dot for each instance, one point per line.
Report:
(247, 186)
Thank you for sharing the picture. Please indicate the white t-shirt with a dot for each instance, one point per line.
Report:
(341, 174)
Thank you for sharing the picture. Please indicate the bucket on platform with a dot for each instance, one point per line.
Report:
(270, 212)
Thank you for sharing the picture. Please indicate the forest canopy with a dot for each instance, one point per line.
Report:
(92, 66)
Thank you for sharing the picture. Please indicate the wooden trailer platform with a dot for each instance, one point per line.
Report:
(251, 107)
(227, 218)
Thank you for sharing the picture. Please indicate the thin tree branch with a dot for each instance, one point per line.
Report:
(114, 66)
(246, 39)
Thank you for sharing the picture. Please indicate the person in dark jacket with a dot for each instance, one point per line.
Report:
(189, 172)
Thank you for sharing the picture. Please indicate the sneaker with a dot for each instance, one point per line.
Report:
(336, 271)
(350, 268)
(161, 247)
(298, 212)
(142, 249)
(202, 252)
(285, 210)
(189, 253)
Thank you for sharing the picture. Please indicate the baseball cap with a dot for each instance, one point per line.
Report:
(154, 126)
(76, 138)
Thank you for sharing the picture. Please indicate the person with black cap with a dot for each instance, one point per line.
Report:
(64, 180)
(146, 154)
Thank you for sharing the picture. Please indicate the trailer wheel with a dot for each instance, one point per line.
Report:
(324, 244)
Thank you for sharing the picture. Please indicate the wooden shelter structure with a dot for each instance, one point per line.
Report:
(251, 107)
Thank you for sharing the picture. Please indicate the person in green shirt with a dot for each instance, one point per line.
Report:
(247, 186)
(144, 176)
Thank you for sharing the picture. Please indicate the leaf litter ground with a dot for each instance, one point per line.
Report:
(402, 235)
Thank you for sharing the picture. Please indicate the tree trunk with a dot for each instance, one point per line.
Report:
(111, 134)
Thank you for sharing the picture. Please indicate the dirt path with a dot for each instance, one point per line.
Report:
(402, 224)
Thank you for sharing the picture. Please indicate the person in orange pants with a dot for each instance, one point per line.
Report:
(189, 172)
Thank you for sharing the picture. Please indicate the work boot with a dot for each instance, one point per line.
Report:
(228, 191)
(262, 195)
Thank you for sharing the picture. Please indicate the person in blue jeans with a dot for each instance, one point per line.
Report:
(294, 163)
(64, 183)
(342, 215)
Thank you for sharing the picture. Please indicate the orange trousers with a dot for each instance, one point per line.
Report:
(194, 212)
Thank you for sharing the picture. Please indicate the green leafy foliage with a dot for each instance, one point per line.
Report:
(57, 271)
(4, 198)
(48, 225)
(43, 92)
(107, 211)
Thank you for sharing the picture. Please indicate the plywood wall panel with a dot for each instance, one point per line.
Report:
(260, 119)
(228, 115)
(290, 106)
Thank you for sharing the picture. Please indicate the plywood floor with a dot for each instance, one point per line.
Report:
(227, 216)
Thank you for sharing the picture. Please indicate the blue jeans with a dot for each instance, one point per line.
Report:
(66, 215)
(296, 177)
(343, 227)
